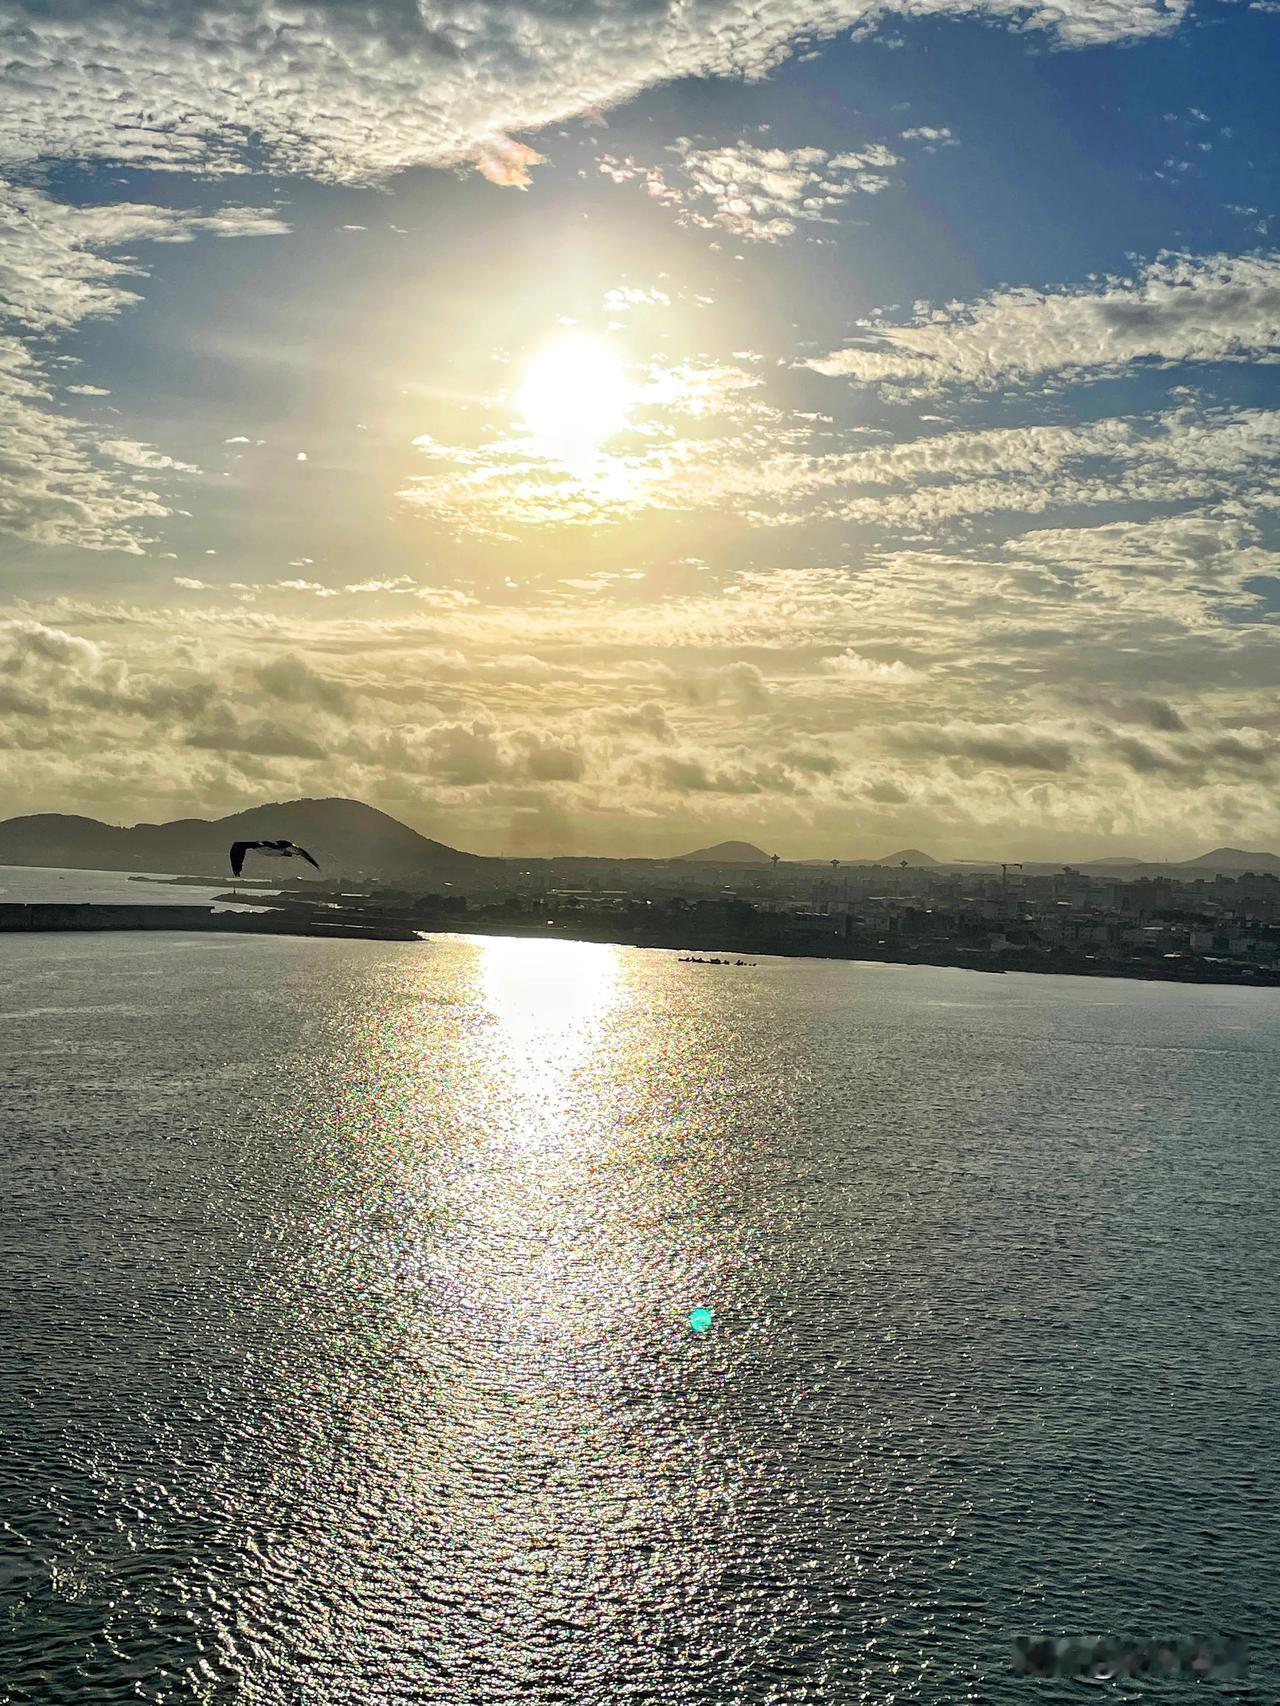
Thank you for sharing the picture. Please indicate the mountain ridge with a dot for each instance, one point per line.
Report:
(346, 836)
(724, 853)
(351, 838)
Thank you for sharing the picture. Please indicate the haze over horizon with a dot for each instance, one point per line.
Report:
(819, 426)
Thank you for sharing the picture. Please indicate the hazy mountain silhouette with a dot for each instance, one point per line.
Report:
(346, 837)
(1232, 859)
(725, 853)
(908, 856)
(352, 839)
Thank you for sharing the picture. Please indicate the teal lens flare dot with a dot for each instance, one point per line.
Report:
(700, 1320)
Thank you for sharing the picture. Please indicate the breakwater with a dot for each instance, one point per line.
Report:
(73, 915)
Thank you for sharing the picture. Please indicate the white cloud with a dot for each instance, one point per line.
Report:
(874, 672)
(1181, 308)
(131, 454)
(313, 587)
(762, 194)
(54, 489)
(59, 483)
(57, 265)
(630, 296)
(356, 92)
(397, 583)
(933, 136)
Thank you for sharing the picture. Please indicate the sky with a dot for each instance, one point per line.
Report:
(615, 428)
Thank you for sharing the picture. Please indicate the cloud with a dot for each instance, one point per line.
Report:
(31, 645)
(999, 745)
(474, 753)
(740, 684)
(1179, 309)
(935, 136)
(1168, 547)
(257, 737)
(1151, 720)
(293, 681)
(631, 296)
(54, 486)
(396, 583)
(761, 194)
(506, 162)
(315, 588)
(57, 265)
(770, 468)
(59, 482)
(852, 666)
(131, 454)
(354, 93)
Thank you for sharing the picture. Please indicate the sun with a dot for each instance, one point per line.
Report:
(574, 396)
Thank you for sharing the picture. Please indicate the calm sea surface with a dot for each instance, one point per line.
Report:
(345, 1357)
(27, 884)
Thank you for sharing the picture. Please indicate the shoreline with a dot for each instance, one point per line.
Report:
(1008, 960)
(285, 920)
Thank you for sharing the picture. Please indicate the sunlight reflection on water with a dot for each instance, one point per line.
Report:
(354, 1365)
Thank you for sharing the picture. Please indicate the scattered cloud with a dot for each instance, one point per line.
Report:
(933, 137)
(761, 194)
(59, 481)
(1181, 308)
(356, 93)
(630, 296)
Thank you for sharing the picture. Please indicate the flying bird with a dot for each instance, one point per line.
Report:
(270, 850)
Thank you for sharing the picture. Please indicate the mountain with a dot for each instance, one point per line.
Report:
(724, 853)
(908, 856)
(1229, 861)
(346, 837)
(1232, 859)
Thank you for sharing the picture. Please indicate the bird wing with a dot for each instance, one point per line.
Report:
(238, 851)
(305, 855)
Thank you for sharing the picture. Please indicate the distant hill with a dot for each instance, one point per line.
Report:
(1229, 861)
(346, 837)
(908, 856)
(1232, 859)
(725, 853)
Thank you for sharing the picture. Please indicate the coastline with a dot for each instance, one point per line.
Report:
(369, 925)
(1008, 960)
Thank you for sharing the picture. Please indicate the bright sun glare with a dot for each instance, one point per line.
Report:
(574, 396)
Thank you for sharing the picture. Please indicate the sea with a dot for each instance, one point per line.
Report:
(29, 884)
(346, 1355)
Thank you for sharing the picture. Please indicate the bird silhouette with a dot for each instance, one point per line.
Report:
(269, 849)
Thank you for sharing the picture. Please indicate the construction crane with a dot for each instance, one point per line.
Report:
(773, 860)
(835, 864)
(1012, 865)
